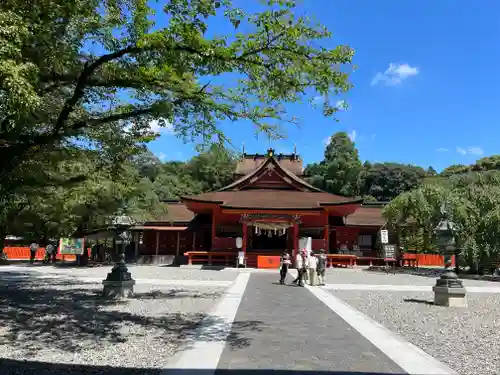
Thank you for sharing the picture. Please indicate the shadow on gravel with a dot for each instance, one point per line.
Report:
(421, 301)
(433, 273)
(60, 314)
(175, 293)
(9, 367)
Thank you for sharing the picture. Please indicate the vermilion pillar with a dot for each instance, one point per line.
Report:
(326, 235)
(245, 236)
(213, 229)
(295, 240)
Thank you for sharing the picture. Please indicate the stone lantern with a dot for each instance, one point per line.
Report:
(119, 282)
(449, 290)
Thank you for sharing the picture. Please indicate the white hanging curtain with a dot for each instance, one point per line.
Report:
(271, 226)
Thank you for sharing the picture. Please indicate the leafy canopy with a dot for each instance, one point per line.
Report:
(69, 69)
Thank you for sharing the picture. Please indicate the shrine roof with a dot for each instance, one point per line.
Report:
(176, 212)
(250, 162)
(271, 163)
(366, 216)
(293, 192)
(269, 199)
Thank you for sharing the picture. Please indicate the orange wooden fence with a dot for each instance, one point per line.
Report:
(23, 253)
(429, 259)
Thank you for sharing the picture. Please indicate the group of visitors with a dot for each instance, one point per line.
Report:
(50, 252)
(311, 267)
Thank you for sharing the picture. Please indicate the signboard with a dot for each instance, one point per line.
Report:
(389, 251)
(239, 242)
(73, 246)
(384, 236)
(269, 262)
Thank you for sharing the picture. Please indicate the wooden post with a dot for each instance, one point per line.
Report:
(326, 235)
(157, 242)
(245, 236)
(178, 242)
(213, 229)
(295, 240)
(137, 238)
(194, 241)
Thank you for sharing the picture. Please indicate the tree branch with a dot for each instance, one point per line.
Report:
(88, 70)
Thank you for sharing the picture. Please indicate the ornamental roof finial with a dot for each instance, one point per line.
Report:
(270, 153)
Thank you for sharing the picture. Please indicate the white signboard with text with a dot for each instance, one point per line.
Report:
(384, 236)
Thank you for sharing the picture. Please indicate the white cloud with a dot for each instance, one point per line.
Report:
(162, 156)
(168, 128)
(352, 135)
(318, 99)
(341, 105)
(473, 150)
(327, 140)
(395, 74)
(442, 149)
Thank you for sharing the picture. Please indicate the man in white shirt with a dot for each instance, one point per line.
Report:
(312, 264)
(301, 263)
(33, 249)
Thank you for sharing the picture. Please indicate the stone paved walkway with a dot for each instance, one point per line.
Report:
(293, 330)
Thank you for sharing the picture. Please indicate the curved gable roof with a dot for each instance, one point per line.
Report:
(271, 160)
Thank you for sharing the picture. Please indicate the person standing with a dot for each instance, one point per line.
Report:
(48, 253)
(312, 265)
(33, 249)
(301, 266)
(54, 252)
(284, 265)
(321, 267)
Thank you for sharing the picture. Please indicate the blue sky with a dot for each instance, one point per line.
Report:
(427, 87)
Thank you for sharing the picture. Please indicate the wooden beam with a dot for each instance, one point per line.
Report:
(272, 212)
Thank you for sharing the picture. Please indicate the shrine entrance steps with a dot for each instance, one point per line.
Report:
(284, 327)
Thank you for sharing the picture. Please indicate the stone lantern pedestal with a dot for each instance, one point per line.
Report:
(119, 283)
(449, 291)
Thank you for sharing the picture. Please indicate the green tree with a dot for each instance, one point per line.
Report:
(385, 181)
(339, 170)
(473, 200)
(67, 75)
(420, 208)
(454, 169)
(213, 169)
(431, 171)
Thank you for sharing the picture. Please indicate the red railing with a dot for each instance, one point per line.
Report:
(343, 260)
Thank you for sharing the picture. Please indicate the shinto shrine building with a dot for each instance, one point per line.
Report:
(270, 207)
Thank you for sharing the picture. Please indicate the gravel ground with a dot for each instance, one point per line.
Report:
(138, 272)
(467, 340)
(361, 276)
(65, 323)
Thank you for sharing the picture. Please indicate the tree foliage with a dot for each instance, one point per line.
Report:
(385, 181)
(70, 70)
(473, 200)
(341, 172)
(338, 171)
